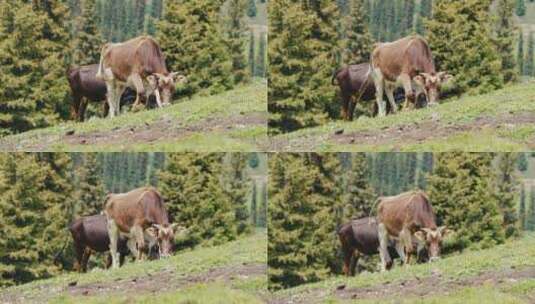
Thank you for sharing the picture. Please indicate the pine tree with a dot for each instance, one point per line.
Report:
(520, 54)
(359, 41)
(522, 162)
(251, 8)
(359, 195)
(139, 8)
(35, 208)
(33, 86)
(522, 206)
(254, 205)
(409, 17)
(303, 48)
(251, 59)
(528, 62)
(459, 35)
(88, 41)
(236, 187)
(236, 41)
(462, 194)
(190, 35)
(506, 192)
(260, 62)
(529, 215)
(303, 213)
(262, 210)
(505, 37)
(190, 184)
(89, 194)
(520, 8)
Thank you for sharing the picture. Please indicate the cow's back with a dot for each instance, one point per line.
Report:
(91, 87)
(142, 206)
(141, 55)
(365, 235)
(410, 55)
(410, 209)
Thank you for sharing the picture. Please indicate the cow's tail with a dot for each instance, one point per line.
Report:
(334, 75)
(59, 254)
(373, 206)
(101, 62)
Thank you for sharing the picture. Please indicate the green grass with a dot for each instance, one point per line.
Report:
(513, 100)
(516, 254)
(231, 106)
(247, 250)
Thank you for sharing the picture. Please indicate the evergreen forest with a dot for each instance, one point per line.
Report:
(218, 196)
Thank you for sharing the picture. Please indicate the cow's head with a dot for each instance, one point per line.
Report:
(432, 239)
(431, 82)
(165, 235)
(166, 85)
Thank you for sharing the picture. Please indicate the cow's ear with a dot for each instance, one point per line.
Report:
(420, 235)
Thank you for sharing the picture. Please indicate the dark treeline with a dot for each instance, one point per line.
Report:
(218, 196)
(206, 40)
(475, 194)
(308, 42)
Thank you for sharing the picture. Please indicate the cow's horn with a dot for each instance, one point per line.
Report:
(157, 226)
(426, 75)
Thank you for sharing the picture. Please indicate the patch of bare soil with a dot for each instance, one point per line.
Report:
(166, 280)
(431, 285)
(429, 130)
(166, 129)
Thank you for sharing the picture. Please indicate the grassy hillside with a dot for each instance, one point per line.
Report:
(503, 274)
(232, 121)
(231, 273)
(498, 121)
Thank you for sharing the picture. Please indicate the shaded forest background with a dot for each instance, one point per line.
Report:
(485, 198)
(219, 196)
(217, 44)
(485, 44)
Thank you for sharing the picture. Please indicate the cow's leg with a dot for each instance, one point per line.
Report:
(82, 109)
(118, 92)
(110, 97)
(121, 259)
(136, 80)
(352, 104)
(85, 259)
(113, 232)
(131, 244)
(108, 261)
(400, 249)
(355, 263)
(348, 255)
(383, 246)
(390, 95)
(407, 87)
(75, 106)
(138, 234)
(80, 249)
(378, 80)
(406, 240)
(344, 111)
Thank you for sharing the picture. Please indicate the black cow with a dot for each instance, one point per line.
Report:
(360, 237)
(86, 87)
(90, 233)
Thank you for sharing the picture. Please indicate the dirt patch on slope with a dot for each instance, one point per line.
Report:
(435, 284)
(163, 129)
(167, 130)
(429, 130)
(165, 280)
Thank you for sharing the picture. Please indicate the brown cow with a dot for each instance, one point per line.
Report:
(406, 62)
(137, 63)
(137, 215)
(406, 215)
